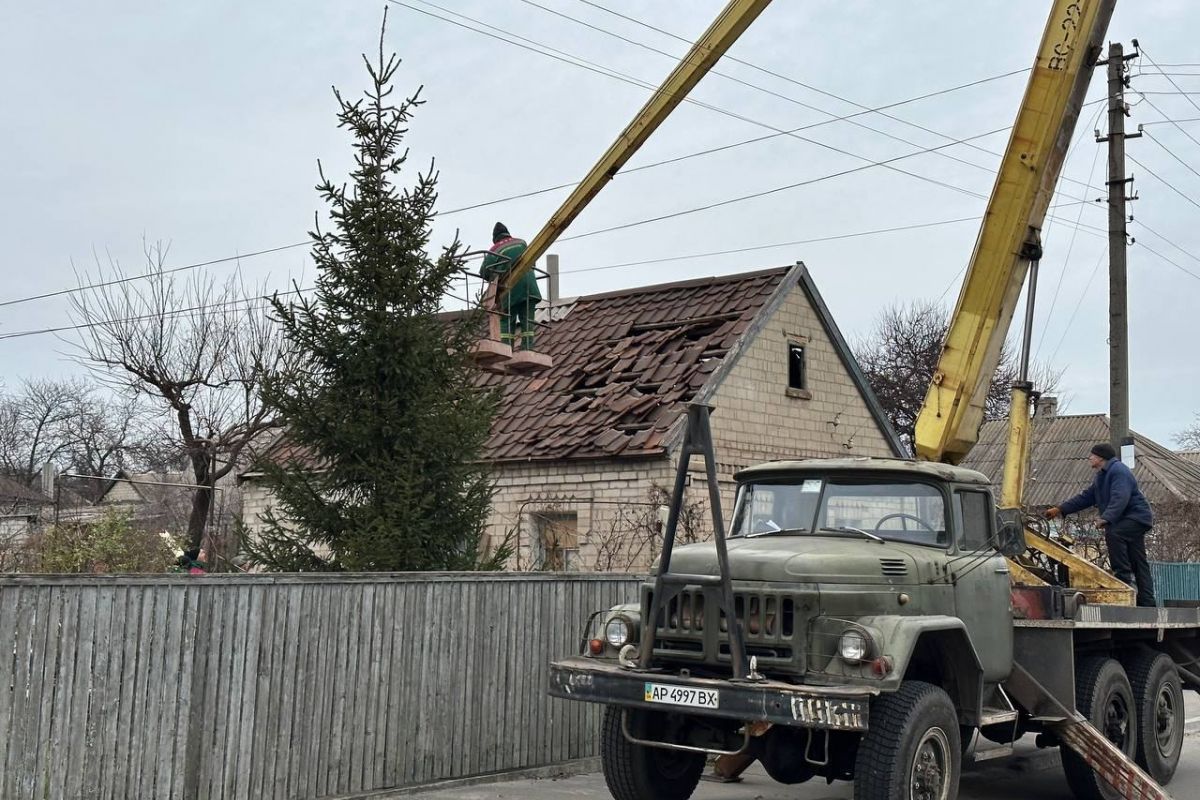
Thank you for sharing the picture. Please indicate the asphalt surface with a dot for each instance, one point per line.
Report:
(1029, 774)
(1026, 776)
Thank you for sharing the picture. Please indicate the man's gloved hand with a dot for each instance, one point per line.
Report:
(1053, 512)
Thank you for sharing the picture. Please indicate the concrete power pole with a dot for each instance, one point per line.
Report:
(1118, 327)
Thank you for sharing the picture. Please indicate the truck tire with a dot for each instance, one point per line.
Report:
(1104, 696)
(911, 751)
(637, 772)
(1158, 700)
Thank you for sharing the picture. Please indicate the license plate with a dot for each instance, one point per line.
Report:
(681, 695)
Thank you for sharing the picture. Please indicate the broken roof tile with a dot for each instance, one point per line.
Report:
(624, 358)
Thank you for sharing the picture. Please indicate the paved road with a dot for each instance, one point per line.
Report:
(1031, 775)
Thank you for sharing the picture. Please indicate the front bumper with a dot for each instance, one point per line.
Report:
(839, 708)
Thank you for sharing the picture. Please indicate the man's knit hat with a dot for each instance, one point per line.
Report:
(499, 232)
(1104, 450)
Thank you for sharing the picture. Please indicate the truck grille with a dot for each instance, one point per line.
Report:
(692, 627)
(893, 567)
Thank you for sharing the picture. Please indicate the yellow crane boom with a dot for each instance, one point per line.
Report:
(952, 414)
(706, 52)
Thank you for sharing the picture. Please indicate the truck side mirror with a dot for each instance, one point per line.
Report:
(1010, 532)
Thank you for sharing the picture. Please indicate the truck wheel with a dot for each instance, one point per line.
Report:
(637, 772)
(1103, 695)
(911, 750)
(1158, 700)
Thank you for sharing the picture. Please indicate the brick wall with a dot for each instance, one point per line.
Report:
(614, 506)
(758, 419)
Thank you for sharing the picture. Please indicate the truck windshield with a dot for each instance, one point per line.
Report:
(901, 511)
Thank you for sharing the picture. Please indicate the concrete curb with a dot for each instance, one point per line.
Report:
(566, 769)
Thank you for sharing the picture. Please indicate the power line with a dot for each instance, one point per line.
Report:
(793, 243)
(127, 278)
(244, 302)
(1171, 153)
(1163, 114)
(1163, 181)
(676, 159)
(1144, 54)
(757, 87)
(765, 193)
(1078, 303)
(1066, 259)
(1170, 121)
(1173, 263)
(809, 87)
(570, 58)
(757, 139)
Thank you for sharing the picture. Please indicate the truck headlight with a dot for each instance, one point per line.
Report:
(618, 631)
(854, 646)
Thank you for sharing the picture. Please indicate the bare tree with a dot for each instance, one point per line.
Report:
(33, 425)
(900, 355)
(193, 348)
(1189, 437)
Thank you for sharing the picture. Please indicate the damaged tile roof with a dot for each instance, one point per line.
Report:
(1058, 464)
(625, 363)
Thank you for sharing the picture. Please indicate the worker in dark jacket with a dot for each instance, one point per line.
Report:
(517, 305)
(1125, 517)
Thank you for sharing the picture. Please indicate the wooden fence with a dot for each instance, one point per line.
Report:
(293, 686)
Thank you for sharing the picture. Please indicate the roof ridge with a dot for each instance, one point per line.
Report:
(685, 284)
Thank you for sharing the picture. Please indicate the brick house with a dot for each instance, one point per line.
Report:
(584, 452)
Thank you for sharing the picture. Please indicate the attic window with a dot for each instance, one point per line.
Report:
(797, 369)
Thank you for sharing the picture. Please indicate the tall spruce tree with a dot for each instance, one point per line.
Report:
(382, 409)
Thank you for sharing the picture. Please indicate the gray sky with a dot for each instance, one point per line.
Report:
(201, 124)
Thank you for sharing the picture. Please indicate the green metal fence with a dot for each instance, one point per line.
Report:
(1176, 581)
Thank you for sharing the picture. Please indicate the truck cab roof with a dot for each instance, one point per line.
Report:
(773, 470)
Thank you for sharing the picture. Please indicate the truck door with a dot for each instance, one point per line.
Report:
(982, 592)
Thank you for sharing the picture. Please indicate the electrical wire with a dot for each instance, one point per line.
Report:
(128, 278)
(849, 117)
(1171, 153)
(245, 302)
(1163, 181)
(1067, 258)
(810, 87)
(774, 190)
(1142, 52)
(561, 55)
(1163, 114)
(758, 87)
(1078, 303)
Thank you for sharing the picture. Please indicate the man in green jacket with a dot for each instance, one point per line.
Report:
(516, 306)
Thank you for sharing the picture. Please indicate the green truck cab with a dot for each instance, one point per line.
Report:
(876, 616)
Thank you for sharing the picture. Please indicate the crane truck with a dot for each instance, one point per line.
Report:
(870, 619)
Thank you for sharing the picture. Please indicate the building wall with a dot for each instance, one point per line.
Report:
(757, 418)
(615, 507)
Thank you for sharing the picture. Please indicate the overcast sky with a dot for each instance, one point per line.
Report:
(201, 124)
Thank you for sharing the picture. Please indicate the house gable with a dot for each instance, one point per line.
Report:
(760, 416)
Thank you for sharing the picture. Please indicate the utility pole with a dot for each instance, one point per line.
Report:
(1118, 321)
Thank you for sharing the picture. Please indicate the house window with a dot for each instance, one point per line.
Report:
(558, 536)
(797, 371)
